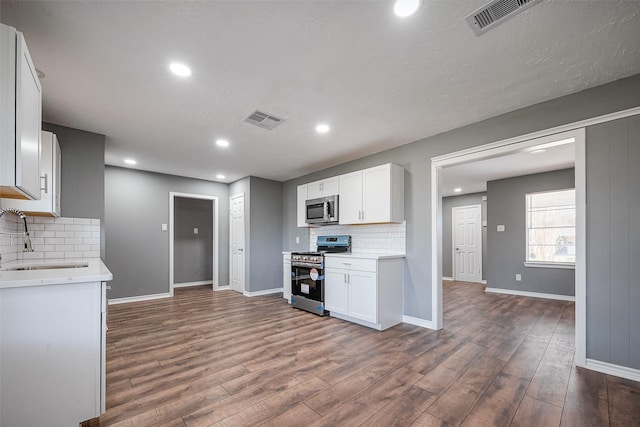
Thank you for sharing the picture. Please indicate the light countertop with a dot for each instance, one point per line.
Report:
(365, 256)
(96, 271)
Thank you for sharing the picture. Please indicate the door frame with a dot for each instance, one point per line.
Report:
(231, 242)
(453, 240)
(216, 271)
(501, 148)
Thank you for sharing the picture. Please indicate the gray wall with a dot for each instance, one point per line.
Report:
(447, 229)
(416, 159)
(193, 253)
(137, 251)
(263, 232)
(82, 175)
(506, 250)
(613, 242)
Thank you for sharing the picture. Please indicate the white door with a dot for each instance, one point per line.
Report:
(336, 291)
(467, 243)
(363, 295)
(237, 243)
(376, 200)
(350, 202)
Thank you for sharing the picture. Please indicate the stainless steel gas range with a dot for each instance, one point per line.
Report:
(307, 273)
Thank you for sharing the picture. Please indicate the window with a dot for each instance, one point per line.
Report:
(551, 228)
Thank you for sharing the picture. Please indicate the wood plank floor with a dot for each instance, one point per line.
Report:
(218, 358)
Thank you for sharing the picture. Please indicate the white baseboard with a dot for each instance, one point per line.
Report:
(615, 370)
(417, 322)
(448, 279)
(222, 288)
(139, 298)
(484, 282)
(186, 284)
(531, 294)
(264, 292)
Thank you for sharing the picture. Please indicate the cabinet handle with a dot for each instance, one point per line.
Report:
(345, 277)
(346, 263)
(348, 277)
(46, 183)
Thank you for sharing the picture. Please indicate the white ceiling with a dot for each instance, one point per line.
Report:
(473, 177)
(378, 80)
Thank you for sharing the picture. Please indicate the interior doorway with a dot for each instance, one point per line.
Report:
(524, 144)
(193, 240)
(466, 245)
(237, 267)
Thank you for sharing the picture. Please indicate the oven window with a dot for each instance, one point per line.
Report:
(307, 282)
(315, 211)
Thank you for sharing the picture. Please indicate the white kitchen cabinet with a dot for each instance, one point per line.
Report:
(301, 206)
(286, 276)
(50, 167)
(323, 188)
(20, 118)
(367, 290)
(373, 195)
(52, 351)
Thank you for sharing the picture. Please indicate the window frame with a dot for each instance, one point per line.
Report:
(544, 264)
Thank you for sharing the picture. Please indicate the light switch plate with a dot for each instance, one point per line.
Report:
(518, 277)
(297, 239)
(163, 227)
(195, 230)
(500, 228)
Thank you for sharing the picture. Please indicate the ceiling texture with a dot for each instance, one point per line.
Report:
(378, 80)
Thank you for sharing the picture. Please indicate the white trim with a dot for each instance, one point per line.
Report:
(244, 243)
(223, 288)
(263, 292)
(187, 284)
(436, 248)
(127, 300)
(214, 220)
(484, 282)
(611, 369)
(530, 294)
(417, 322)
(443, 159)
(448, 279)
(560, 265)
(453, 238)
(581, 249)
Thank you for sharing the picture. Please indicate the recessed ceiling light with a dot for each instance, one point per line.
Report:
(130, 161)
(220, 176)
(180, 69)
(542, 150)
(323, 128)
(404, 8)
(222, 143)
(457, 190)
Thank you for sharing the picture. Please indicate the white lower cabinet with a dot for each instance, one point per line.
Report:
(286, 276)
(367, 291)
(52, 351)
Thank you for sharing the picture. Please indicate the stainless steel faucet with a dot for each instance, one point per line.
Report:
(25, 235)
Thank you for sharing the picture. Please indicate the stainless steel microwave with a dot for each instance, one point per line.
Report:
(323, 210)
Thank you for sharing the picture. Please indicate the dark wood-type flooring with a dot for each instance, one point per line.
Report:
(218, 358)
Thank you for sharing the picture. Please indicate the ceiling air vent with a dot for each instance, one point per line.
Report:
(263, 120)
(496, 12)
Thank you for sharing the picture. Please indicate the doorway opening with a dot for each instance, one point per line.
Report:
(526, 144)
(193, 241)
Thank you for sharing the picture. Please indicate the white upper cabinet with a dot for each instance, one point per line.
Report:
(322, 188)
(374, 195)
(50, 167)
(20, 118)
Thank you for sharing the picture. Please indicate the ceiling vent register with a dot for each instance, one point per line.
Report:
(263, 120)
(496, 12)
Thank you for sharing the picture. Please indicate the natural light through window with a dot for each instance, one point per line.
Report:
(551, 228)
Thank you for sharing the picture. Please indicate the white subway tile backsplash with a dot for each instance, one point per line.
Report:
(374, 238)
(51, 238)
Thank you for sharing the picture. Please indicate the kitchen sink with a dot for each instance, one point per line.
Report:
(47, 266)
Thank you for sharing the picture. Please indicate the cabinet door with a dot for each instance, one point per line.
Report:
(314, 190)
(330, 186)
(301, 206)
(336, 291)
(56, 176)
(376, 199)
(363, 296)
(28, 122)
(350, 202)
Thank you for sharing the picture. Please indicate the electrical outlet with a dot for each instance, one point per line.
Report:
(518, 277)
(195, 231)
(163, 227)
(297, 239)
(500, 228)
